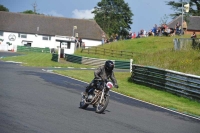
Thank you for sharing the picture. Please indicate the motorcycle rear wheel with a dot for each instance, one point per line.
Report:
(101, 107)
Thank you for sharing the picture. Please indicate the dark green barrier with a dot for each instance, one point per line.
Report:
(122, 64)
(95, 61)
(54, 57)
(73, 58)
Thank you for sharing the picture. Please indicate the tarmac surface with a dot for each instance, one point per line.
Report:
(36, 101)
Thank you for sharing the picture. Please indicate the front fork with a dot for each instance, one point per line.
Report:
(102, 94)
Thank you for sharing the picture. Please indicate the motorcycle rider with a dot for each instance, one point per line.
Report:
(104, 72)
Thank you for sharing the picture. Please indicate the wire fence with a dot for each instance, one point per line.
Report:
(186, 43)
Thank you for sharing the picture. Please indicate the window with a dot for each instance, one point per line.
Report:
(65, 45)
(46, 38)
(1, 33)
(22, 35)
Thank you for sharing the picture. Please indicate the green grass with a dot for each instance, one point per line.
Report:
(152, 51)
(158, 52)
(40, 60)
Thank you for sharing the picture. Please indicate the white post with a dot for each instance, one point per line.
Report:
(131, 63)
(58, 54)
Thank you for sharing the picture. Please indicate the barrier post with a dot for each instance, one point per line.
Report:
(131, 62)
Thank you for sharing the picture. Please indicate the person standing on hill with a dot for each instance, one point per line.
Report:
(103, 38)
(184, 25)
(193, 35)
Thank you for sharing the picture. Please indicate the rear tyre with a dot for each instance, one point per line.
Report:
(103, 105)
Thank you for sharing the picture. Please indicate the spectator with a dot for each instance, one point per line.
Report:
(154, 30)
(83, 45)
(178, 28)
(172, 32)
(184, 25)
(116, 37)
(167, 31)
(162, 28)
(142, 33)
(77, 42)
(151, 33)
(80, 42)
(134, 35)
(103, 38)
(193, 35)
(138, 35)
(130, 35)
(107, 40)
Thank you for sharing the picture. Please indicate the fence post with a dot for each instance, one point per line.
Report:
(131, 63)
(58, 54)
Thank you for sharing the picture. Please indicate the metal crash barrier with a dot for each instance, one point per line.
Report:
(96, 62)
(182, 84)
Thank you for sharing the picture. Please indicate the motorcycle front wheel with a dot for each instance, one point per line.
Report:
(102, 106)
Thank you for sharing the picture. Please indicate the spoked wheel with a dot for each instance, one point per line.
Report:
(83, 104)
(102, 106)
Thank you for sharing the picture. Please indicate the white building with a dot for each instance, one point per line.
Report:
(17, 29)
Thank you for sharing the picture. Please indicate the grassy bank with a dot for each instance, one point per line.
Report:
(156, 51)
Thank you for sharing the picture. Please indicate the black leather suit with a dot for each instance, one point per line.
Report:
(101, 73)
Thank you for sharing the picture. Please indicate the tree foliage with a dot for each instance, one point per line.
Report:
(3, 8)
(28, 12)
(34, 11)
(113, 16)
(177, 6)
(31, 12)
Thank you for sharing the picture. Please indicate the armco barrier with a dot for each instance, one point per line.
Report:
(95, 61)
(175, 82)
(54, 57)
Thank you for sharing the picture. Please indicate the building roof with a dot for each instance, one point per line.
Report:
(48, 25)
(193, 24)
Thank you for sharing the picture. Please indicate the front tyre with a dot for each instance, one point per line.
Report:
(102, 106)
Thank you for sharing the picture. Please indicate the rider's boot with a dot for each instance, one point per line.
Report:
(86, 91)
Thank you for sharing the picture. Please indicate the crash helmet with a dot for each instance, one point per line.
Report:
(109, 66)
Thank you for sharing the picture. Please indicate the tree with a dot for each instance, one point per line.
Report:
(177, 6)
(34, 11)
(28, 12)
(164, 19)
(113, 16)
(2, 8)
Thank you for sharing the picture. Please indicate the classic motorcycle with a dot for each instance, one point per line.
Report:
(97, 96)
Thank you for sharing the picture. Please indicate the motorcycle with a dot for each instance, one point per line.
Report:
(97, 96)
